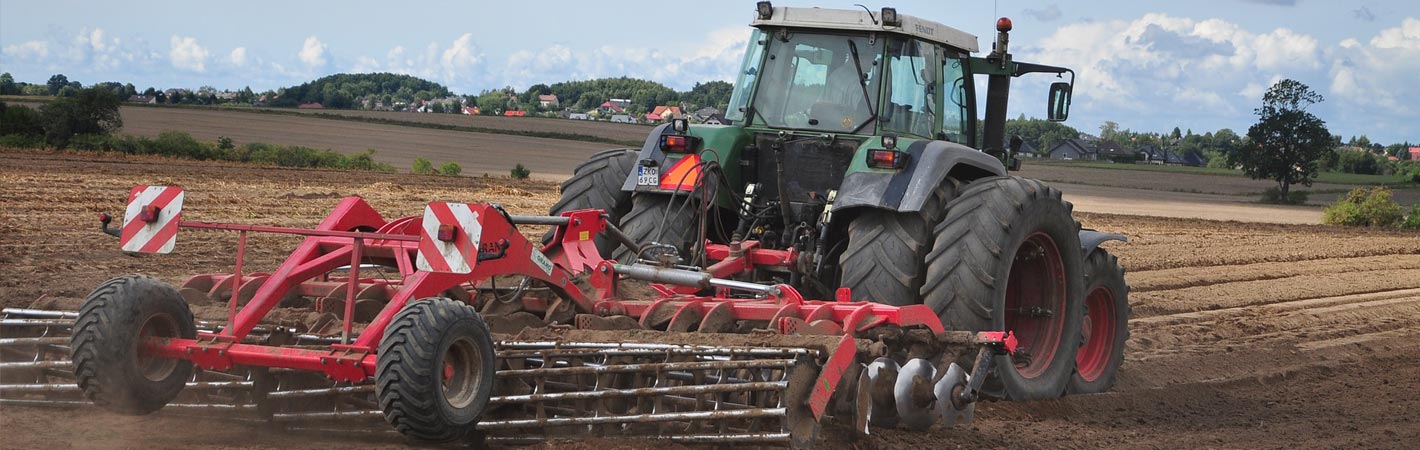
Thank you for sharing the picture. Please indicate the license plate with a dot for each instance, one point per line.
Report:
(648, 176)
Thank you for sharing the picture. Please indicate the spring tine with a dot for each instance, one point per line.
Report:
(334, 415)
(15, 342)
(301, 393)
(34, 365)
(636, 418)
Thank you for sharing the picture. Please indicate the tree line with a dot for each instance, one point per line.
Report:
(584, 95)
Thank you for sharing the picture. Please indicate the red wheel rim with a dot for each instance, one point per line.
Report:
(1035, 303)
(1099, 328)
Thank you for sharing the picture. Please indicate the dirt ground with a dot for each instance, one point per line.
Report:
(1245, 335)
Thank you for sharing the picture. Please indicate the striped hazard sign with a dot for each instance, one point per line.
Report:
(150, 223)
(449, 239)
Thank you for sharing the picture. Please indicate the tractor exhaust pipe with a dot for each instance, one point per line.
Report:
(998, 92)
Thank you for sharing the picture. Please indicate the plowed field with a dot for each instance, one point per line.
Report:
(1245, 335)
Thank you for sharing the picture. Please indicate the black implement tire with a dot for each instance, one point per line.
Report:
(1007, 257)
(434, 373)
(596, 184)
(1105, 325)
(662, 219)
(885, 261)
(104, 346)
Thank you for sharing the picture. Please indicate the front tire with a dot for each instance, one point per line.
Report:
(434, 374)
(1007, 257)
(1106, 325)
(105, 346)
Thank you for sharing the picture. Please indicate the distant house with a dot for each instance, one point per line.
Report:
(1028, 151)
(623, 118)
(1107, 150)
(704, 114)
(579, 116)
(145, 99)
(1194, 159)
(664, 113)
(715, 119)
(514, 113)
(1152, 154)
(548, 101)
(611, 107)
(310, 106)
(1414, 153)
(1073, 150)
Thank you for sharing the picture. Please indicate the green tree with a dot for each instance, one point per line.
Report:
(1285, 143)
(57, 82)
(90, 111)
(7, 84)
(1109, 130)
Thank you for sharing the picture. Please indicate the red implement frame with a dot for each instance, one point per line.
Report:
(341, 240)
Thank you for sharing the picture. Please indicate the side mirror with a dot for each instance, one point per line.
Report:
(1059, 107)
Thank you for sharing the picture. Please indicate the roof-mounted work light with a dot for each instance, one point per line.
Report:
(766, 10)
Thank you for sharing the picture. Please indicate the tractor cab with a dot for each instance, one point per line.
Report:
(846, 72)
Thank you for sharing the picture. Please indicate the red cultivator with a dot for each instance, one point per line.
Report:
(439, 353)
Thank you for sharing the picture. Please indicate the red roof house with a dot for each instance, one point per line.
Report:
(1415, 153)
(664, 113)
(310, 106)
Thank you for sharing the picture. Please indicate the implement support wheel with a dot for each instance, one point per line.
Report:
(434, 374)
(107, 344)
(1106, 325)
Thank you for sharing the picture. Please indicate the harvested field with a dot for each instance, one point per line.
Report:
(1246, 335)
(625, 132)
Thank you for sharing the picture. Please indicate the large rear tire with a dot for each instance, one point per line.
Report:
(434, 374)
(885, 261)
(659, 219)
(1007, 257)
(596, 184)
(1106, 325)
(109, 364)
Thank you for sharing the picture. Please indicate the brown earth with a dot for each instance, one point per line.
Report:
(1245, 335)
(625, 132)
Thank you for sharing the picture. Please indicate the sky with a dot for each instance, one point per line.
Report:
(1147, 65)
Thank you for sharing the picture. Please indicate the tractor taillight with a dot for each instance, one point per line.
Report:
(674, 143)
(149, 213)
(887, 159)
(447, 232)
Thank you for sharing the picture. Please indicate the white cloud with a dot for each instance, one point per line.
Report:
(1161, 68)
(185, 53)
(312, 53)
(238, 57)
(29, 50)
(1380, 73)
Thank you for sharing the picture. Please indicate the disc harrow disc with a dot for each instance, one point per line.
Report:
(907, 391)
(949, 405)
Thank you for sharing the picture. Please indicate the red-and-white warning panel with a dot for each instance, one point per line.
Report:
(150, 223)
(449, 240)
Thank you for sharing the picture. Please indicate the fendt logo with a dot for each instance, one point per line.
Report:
(924, 30)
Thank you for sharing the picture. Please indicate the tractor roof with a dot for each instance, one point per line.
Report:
(847, 19)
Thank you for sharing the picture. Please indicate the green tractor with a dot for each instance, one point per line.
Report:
(854, 146)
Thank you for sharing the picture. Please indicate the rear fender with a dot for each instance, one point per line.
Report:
(908, 189)
(651, 150)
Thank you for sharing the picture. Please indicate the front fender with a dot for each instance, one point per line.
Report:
(1091, 239)
(908, 189)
